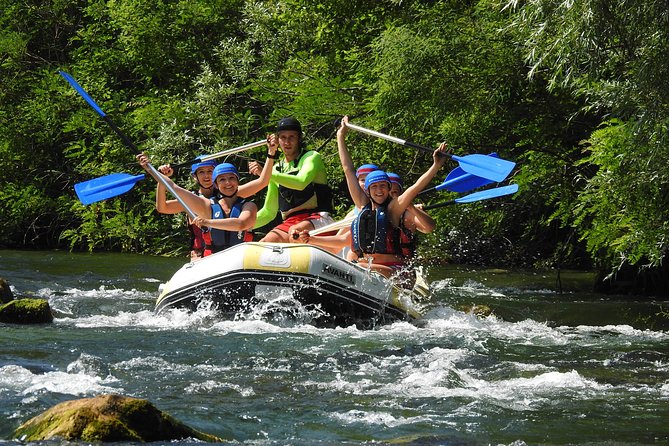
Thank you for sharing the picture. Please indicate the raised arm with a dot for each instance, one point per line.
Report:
(357, 194)
(402, 202)
(255, 186)
(163, 205)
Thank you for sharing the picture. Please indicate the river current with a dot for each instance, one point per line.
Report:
(545, 368)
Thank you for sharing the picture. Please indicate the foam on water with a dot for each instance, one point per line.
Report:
(468, 288)
(211, 386)
(142, 319)
(445, 322)
(442, 373)
(377, 418)
(17, 379)
(103, 292)
(145, 319)
(664, 390)
(625, 332)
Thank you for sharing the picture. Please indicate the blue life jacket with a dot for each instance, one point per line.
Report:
(369, 230)
(221, 239)
(372, 232)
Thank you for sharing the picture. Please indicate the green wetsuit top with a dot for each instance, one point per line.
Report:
(297, 175)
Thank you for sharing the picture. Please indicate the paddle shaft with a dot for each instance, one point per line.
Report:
(491, 168)
(400, 141)
(157, 175)
(251, 145)
(154, 172)
(333, 226)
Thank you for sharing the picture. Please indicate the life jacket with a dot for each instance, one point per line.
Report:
(320, 194)
(408, 239)
(199, 239)
(372, 232)
(221, 239)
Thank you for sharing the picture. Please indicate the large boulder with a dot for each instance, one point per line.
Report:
(6, 294)
(26, 311)
(107, 418)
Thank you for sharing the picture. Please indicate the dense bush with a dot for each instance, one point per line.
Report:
(576, 92)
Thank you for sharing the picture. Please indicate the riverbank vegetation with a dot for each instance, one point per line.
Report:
(576, 92)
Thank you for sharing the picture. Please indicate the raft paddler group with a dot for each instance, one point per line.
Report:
(382, 234)
(384, 218)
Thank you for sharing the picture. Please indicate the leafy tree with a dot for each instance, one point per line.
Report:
(575, 92)
(611, 55)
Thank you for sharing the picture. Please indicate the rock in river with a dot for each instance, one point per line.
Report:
(107, 418)
(26, 311)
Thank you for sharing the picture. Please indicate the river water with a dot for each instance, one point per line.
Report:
(547, 368)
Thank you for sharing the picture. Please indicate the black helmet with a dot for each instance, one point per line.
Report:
(289, 124)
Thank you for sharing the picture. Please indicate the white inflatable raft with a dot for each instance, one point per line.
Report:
(337, 292)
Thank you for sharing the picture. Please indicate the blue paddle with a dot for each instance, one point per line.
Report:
(484, 166)
(460, 181)
(109, 186)
(154, 173)
(478, 196)
(102, 188)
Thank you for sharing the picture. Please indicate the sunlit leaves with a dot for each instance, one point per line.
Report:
(613, 55)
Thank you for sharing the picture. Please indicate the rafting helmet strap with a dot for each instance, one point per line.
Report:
(200, 187)
(373, 200)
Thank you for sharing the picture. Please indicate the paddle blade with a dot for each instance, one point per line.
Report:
(82, 92)
(489, 167)
(109, 186)
(487, 194)
(460, 181)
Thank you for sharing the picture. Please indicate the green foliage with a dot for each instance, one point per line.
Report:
(586, 120)
(622, 212)
(613, 56)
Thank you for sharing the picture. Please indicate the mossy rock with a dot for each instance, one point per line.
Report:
(6, 294)
(107, 418)
(26, 311)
